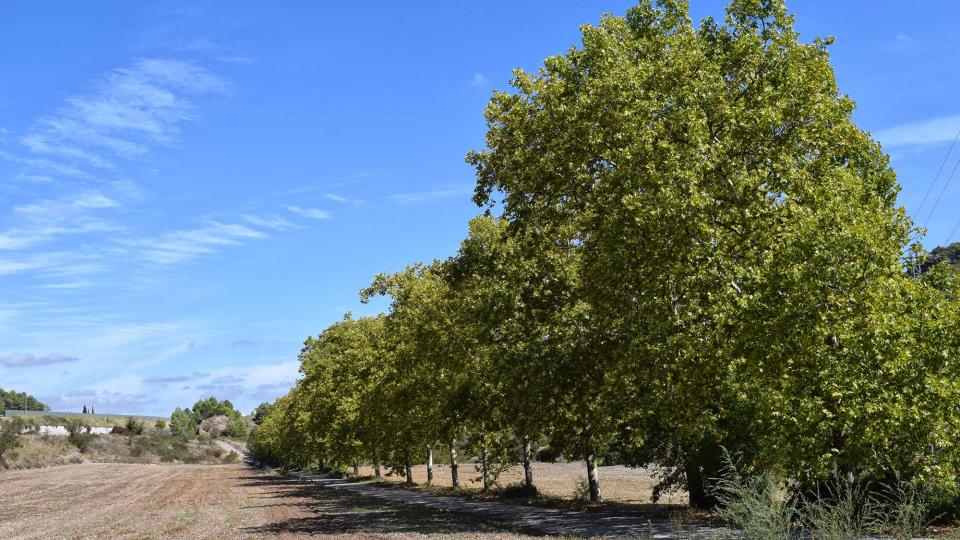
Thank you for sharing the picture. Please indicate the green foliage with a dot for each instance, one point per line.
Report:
(183, 423)
(261, 412)
(10, 399)
(207, 408)
(11, 430)
(160, 425)
(135, 427)
(79, 433)
(236, 427)
(697, 249)
(762, 507)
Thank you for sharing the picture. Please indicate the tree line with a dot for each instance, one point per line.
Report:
(11, 399)
(687, 249)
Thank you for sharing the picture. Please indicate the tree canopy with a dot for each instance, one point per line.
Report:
(20, 400)
(688, 245)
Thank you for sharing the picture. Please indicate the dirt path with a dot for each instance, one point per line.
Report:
(199, 501)
(535, 520)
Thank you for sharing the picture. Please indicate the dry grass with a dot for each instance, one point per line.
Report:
(555, 480)
(152, 447)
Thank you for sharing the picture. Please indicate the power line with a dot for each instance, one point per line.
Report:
(937, 176)
(952, 233)
(942, 191)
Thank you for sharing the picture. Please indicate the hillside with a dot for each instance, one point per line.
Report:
(949, 254)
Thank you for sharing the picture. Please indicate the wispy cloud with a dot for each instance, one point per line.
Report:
(130, 109)
(429, 196)
(932, 131)
(312, 213)
(479, 79)
(18, 360)
(341, 199)
(268, 222)
(178, 246)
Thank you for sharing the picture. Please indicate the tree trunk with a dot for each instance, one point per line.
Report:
(484, 470)
(454, 476)
(356, 470)
(527, 469)
(703, 465)
(409, 471)
(376, 470)
(696, 485)
(593, 478)
(430, 465)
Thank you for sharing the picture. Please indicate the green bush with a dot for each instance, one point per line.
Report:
(160, 425)
(760, 507)
(135, 428)
(236, 427)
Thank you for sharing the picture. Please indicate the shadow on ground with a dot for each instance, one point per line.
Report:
(337, 512)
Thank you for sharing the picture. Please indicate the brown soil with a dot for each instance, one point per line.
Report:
(201, 501)
(557, 480)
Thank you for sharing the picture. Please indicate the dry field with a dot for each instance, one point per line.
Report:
(560, 480)
(153, 447)
(202, 501)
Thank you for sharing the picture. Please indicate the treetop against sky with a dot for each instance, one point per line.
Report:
(188, 191)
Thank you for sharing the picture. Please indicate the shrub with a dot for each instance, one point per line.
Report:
(160, 425)
(236, 427)
(753, 505)
(522, 491)
(81, 440)
(135, 427)
(183, 423)
(10, 433)
(581, 491)
(759, 507)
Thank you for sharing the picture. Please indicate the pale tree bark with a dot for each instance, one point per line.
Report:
(454, 468)
(408, 467)
(430, 465)
(593, 478)
(527, 467)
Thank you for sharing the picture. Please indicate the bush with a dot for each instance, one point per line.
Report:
(547, 455)
(236, 427)
(81, 440)
(10, 436)
(160, 425)
(134, 427)
(759, 508)
(521, 491)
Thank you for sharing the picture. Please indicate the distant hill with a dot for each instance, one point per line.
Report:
(950, 254)
(19, 400)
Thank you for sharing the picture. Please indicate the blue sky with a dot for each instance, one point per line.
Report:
(188, 191)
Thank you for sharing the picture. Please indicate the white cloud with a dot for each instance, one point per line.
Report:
(479, 79)
(932, 131)
(341, 199)
(131, 108)
(268, 222)
(428, 196)
(312, 213)
(178, 246)
(28, 360)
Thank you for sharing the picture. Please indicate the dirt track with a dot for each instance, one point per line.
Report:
(199, 501)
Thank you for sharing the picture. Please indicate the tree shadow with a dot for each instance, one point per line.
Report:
(316, 510)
